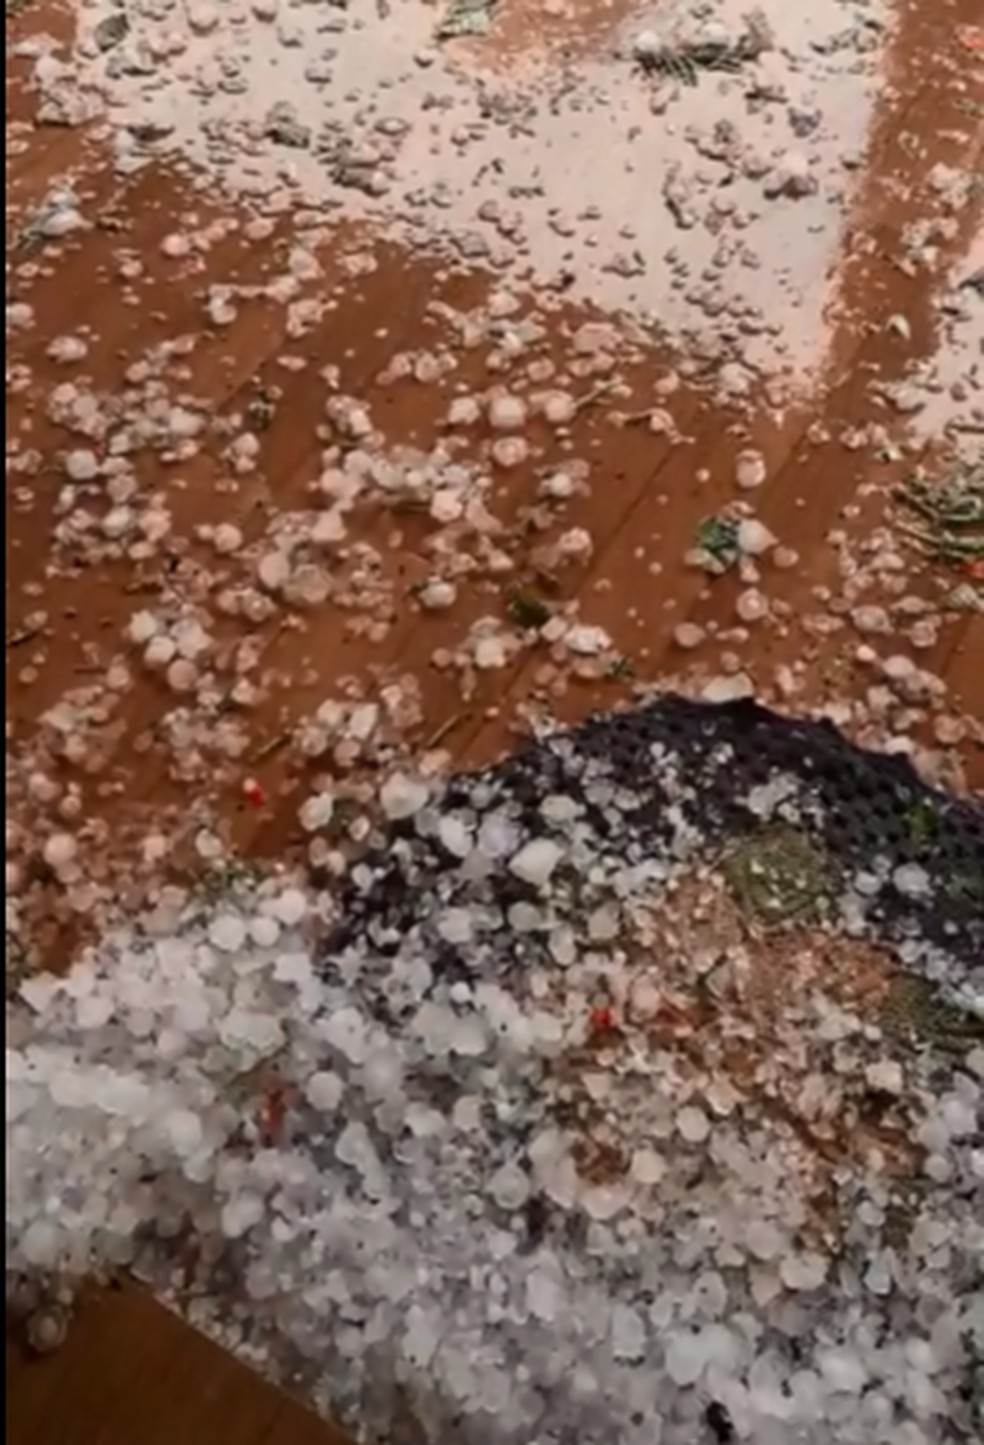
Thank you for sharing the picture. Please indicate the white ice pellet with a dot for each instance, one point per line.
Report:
(604, 923)
(490, 653)
(507, 413)
(960, 1117)
(251, 1032)
(227, 932)
(689, 635)
(803, 1271)
(354, 1147)
(81, 466)
(763, 1240)
(61, 221)
(93, 1012)
(264, 930)
(878, 1276)
(273, 570)
(142, 627)
(871, 618)
(912, 880)
(647, 45)
(160, 651)
(324, 1090)
(602, 1202)
(20, 316)
(329, 528)
(647, 1166)
(455, 925)
(176, 246)
(899, 668)
(40, 1243)
(240, 1214)
(60, 850)
(447, 506)
(974, 1061)
(558, 809)
(544, 1296)
(184, 1130)
(467, 1038)
(402, 796)
(227, 538)
(498, 835)
(559, 408)
(67, 349)
(345, 1030)
(559, 486)
(754, 538)
(843, 1371)
(727, 687)
(685, 1359)
(536, 861)
(421, 1338)
(938, 1168)
(693, 1124)
(885, 1076)
(722, 1097)
(587, 641)
(563, 947)
(454, 836)
(510, 1186)
(628, 1332)
(750, 470)
(183, 424)
(290, 907)
(437, 595)
(70, 1088)
(39, 990)
(751, 605)
(182, 675)
(510, 451)
(316, 812)
(362, 722)
(464, 411)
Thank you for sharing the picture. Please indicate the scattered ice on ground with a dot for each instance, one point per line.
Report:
(543, 166)
(511, 1141)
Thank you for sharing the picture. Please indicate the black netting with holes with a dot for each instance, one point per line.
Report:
(870, 812)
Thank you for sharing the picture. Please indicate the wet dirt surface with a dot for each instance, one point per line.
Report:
(330, 449)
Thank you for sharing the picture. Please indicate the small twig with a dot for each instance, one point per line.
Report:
(923, 535)
(633, 418)
(272, 746)
(916, 502)
(595, 394)
(947, 546)
(449, 724)
(25, 634)
(405, 506)
(952, 544)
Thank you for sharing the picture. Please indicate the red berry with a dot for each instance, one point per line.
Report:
(253, 793)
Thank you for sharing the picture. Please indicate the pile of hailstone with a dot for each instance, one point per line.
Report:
(480, 1173)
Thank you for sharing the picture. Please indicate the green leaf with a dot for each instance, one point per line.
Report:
(467, 17)
(718, 537)
(527, 610)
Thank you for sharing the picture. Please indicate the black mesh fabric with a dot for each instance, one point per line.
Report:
(869, 811)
